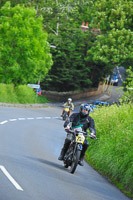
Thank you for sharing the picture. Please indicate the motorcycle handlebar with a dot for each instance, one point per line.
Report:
(85, 134)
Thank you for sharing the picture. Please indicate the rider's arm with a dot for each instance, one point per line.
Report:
(72, 106)
(92, 126)
(65, 104)
(70, 120)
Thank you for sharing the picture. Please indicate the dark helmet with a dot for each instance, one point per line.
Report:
(84, 107)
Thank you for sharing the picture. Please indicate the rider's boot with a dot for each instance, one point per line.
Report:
(64, 149)
(81, 160)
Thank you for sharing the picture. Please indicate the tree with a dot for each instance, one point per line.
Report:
(24, 50)
(114, 46)
(71, 70)
(128, 86)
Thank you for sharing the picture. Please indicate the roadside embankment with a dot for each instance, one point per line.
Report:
(112, 153)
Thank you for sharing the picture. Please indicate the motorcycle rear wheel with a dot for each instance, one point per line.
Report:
(75, 161)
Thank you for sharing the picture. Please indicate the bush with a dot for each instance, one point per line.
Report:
(25, 94)
(20, 94)
(112, 153)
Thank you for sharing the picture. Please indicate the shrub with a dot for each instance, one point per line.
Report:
(25, 94)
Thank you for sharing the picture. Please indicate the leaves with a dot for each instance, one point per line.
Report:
(24, 50)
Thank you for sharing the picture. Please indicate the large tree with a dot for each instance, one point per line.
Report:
(114, 46)
(24, 50)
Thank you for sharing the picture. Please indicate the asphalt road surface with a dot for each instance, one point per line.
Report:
(30, 143)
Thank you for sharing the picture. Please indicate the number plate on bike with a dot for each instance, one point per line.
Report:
(66, 109)
(80, 139)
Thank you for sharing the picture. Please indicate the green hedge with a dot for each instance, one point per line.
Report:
(112, 153)
(20, 94)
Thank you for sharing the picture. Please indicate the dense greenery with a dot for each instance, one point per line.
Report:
(75, 52)
(71, 70)
(24, 50)
(114, 46)
(128, 86)
(112, 153)
(20, 94)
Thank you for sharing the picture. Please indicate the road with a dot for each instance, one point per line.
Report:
(30, 143)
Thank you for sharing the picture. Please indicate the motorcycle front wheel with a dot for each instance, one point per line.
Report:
(75, 161)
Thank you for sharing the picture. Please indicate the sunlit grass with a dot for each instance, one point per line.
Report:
(112, 153)
(21, 94)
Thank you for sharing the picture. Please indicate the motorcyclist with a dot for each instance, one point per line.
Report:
(77, 119)
(70, 105)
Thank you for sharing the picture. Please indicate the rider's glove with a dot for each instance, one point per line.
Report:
(93, 135)
(67, 128)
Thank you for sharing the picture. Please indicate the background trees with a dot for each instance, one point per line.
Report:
(81, 60)
(114, 46)
(24, 50)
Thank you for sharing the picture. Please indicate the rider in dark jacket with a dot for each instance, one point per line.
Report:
(77, 119)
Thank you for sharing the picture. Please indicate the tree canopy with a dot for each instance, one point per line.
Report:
(24, 50)
(83, 59)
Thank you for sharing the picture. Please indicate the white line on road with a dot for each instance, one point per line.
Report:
(10, 178)
(4, 122)
(39, 117)
(47, 117)
(21, 118)
(12, 120)
(29, 118)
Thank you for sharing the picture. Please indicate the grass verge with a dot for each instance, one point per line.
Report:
(112, 153)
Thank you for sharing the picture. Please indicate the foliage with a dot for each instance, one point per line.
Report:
(24, 50)
(128, 86)
(20, 94)
(71, 71)
(112, 153)
(114, 46)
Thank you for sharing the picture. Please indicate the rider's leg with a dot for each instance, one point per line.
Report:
(69, 112)
(64, 149)
(63, 111)
(85, 146)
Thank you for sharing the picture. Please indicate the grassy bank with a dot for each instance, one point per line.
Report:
(112, 153)
(21, 94)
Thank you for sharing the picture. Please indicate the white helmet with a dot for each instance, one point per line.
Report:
(69, 99)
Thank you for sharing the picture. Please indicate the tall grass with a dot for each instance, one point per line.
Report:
(20, 94)
(112, 153)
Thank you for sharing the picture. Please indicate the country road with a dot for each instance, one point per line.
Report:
(30, 143)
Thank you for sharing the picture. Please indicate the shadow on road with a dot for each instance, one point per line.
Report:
(47, 162)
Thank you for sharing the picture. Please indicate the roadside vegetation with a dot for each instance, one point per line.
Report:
(20, 94)
(111, 154)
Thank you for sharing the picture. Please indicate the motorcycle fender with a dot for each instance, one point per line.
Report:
(80, 147)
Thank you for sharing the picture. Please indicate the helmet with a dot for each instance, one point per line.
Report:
(69, 99)
(84, 107)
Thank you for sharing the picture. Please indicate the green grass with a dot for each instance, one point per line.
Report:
(112, 153)
(21, 94)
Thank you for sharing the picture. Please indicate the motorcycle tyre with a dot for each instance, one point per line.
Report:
(65, 165)
(64, 116)
(75, 162)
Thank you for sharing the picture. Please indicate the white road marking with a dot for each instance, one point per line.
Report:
(10, 178)
(39, 117)
(4, 122)
(47, 117)
(21, 118)
(29, 118)
(12, 120)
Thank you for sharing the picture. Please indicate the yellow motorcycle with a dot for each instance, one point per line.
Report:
(65, 114)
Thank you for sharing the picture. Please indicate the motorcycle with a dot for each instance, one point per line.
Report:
(72, 156)
(65, 114)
